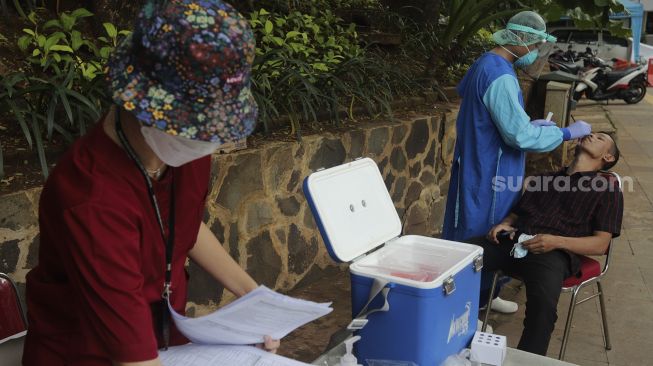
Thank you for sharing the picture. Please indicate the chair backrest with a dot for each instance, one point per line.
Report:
(612, 178)
(12, 318)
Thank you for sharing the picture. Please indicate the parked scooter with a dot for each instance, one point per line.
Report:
(569, 61)
(565, 61)
(600, 80)
(602, 83)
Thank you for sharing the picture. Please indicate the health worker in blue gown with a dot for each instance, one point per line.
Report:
(494, 132)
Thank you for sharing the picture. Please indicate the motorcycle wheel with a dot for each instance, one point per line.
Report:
(641, 92)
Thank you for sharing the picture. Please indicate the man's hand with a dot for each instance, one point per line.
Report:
(270, 345)
(492, 235)
(542, 243)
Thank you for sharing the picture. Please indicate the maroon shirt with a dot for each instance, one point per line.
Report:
(102, 258)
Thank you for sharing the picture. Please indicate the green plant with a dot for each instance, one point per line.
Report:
(59, 45)
(63, 79)
(311, 67)
(12, 100)
(111, 40)
(466, 17)
(586, 14)
(31, 5)
(295, 52)
(306, 7)
(318, 40)
(36, 102)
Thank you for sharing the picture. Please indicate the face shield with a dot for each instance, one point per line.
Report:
(544, 47)
(527, 30)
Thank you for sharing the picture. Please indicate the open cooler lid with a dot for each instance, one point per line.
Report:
(352, 208)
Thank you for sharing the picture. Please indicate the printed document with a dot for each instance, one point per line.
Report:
(247, 320)
(207, 355)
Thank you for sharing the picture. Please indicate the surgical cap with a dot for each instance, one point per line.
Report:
(526, 27)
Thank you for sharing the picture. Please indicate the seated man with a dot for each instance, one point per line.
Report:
(574, 211)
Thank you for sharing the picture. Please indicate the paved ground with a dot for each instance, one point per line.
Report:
(628, 285)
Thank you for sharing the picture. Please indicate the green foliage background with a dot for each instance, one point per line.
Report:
(311, 66)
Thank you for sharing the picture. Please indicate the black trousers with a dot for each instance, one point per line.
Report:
(542, 275)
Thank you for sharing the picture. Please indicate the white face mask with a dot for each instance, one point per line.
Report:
(176, 151)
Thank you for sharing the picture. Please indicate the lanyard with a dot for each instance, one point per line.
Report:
(169, 241)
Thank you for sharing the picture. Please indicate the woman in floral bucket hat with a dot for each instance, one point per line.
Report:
(123, 209)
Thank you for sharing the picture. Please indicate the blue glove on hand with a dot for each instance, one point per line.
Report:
(576, 130)
(542, 123)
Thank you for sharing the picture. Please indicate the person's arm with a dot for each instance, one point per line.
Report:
(505, 225)
(209, 254)
(502, 101)
(596, 244)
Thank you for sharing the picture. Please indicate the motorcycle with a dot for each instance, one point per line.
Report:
(598, 79)
(568, 61)
(565, 61)
(603, 83)
(561, 64)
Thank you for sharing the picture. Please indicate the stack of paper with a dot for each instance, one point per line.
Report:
(243, 322)
(207, 355)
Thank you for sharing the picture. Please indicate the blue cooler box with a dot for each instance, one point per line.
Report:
(431, 286)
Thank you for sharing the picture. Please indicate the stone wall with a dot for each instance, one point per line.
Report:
(258, 211)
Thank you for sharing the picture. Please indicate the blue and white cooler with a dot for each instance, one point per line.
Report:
(414, 298)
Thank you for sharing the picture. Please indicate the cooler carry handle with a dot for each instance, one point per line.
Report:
(378, 287)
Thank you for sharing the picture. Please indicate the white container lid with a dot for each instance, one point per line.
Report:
(353, 208)
(411, 256)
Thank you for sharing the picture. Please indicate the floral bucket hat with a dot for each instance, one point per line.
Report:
(186, 70)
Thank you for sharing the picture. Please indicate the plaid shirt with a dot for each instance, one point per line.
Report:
(572, 206)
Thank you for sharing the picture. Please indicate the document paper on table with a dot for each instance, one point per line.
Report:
(210, 355)
(247, 320)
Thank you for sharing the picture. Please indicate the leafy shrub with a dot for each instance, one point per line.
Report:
(309, 64)
(28, 5)
(446, 62)
(60, 45)
(63, 79)
(307, 7)
(461, 58)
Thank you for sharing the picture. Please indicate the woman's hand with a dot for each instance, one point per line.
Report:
(270, 345)
(492, 235)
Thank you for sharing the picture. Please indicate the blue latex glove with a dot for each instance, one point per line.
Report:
(542, 123)
(576, 130)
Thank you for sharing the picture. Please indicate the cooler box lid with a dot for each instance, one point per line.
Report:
(352, 208)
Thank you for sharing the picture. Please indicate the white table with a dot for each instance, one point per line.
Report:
(514, 357)
(11, 352)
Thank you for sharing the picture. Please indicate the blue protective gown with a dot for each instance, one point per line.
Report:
(493, 134)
